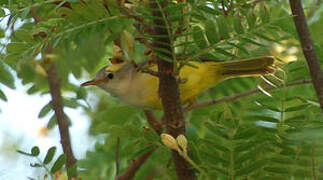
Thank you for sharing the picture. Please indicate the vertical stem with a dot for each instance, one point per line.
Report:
(169, 90)
(63, 125)
(117, 156)
(55, 91)
(231, 165)
(308, 48)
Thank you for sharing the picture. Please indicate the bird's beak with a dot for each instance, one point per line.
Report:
(92, 82)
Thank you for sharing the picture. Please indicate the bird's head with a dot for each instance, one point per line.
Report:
(109, 77)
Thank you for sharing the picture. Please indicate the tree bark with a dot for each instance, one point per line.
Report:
(55, 91)
(169, 91)
(61, 118)
(308, 48)
(134, 166)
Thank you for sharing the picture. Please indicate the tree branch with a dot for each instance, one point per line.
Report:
(57, 104)
(130, 172)
(241, 95)
(55, 91)
(308, 48)
(154, 122)
(169, 89)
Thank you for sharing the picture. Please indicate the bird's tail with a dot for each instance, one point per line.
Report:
(257, 66)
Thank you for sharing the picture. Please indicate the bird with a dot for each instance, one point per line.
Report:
(140, 89)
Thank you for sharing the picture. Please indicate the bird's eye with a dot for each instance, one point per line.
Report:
(110, 76)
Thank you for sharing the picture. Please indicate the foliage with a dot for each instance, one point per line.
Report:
(51, 167)
(276, 136)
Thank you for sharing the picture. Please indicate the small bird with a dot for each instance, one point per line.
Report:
(123, 80)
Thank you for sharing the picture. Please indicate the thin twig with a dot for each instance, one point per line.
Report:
(223, 8)
(63, 124)
(154, 122)
(129, 173)
(308, 48)
(240, 95)
(117, 156)
(149, 71)
(169, 91)
(54, 83)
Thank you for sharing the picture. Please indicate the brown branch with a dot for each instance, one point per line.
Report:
(55, 91)
(169, 90)
(149, 71)
(241, 95)
(223, 8)
(57, 104)
(308, 48)
(154, 122)
(130, 172)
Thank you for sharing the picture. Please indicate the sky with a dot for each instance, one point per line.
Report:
(20, 128)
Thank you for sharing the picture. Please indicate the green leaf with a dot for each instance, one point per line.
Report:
(17, 47)
(264, 14)
(2, 34)
(279, 170)
(248, 40)
(25, 13)
(252, 167)
(270, 107)
(72, 170)
(35, 151)
(50, 154)
(224, 52)
(162, 56)
(45, 110)
(123, 131)
(58, 163)
(246, 133)
(35, 165)
(150, 135)
(223, 27)
(199, 38)
(81, 93)
(240, 47)
(117, 115)
(262, 118)
(296, 108)
(32, 90)
(69, 102)
(211, 32)
(52, 122)
(251, 19)
(282, 160)
(24, 153)
(2, 12)
(5, 76)
(261, 35)
(237, 24)
(3, 96)
(194, 152)
(163, 51)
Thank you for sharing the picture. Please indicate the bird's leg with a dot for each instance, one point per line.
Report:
(191, 102)
(180, 80)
